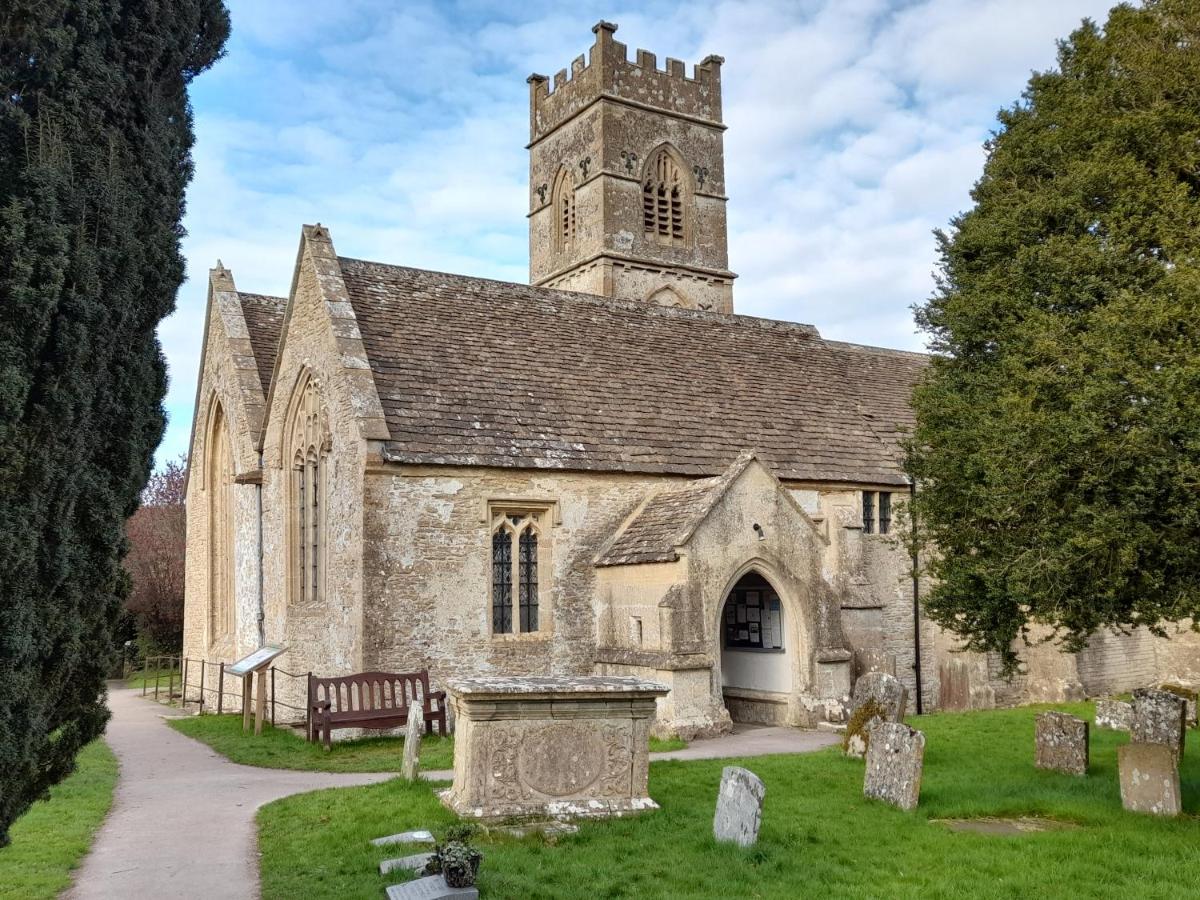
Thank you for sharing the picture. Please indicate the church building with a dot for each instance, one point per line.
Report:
(605, 471)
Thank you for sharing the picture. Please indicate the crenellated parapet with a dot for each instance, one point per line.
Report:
(607, 72)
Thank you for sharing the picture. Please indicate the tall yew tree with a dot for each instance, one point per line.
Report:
(1058, 440)
(95, 140)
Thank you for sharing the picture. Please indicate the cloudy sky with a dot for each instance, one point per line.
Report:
(855, 128)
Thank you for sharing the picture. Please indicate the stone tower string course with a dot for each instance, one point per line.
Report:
(627, 179)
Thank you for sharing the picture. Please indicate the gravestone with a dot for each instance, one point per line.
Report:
(1149, 779)
(1061, 743)
(414, 863)
(412, 748)
(432, 887)
(886, 690)
(405, 837)
(1158, 718)
(1115, 715)
(895, 758)
(739, 806)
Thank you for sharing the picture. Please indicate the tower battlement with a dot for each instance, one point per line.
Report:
(607, 72)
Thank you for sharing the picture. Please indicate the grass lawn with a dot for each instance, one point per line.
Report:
(139, 678)
(52, 837)
(819, 836)
(281, 748)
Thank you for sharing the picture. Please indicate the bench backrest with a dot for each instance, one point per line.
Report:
(370, 691)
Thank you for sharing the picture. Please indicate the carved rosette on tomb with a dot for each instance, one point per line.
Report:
(562, 747)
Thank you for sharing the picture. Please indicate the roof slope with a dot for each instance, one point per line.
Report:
(668, 519)
(478, 372)
(264, 321)
(883, 381)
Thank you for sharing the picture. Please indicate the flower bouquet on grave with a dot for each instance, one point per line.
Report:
(455, 859)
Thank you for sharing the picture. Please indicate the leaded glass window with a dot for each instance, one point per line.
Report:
(885, 512)
(868, 512)
(502, 581)
(516, 564)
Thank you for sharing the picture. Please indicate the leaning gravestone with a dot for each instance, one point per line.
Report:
(1149, 779)
(432, 887)
(1113, 714)
(886, 690)
(412, 748)
(739, 806)
(1158, 718)
(1061, 743)
(895, 759)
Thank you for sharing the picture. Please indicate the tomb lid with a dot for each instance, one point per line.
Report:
(554, 684)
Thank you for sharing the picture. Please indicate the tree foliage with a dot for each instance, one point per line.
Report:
(1058, 438)
(95, 139)
(157, 535)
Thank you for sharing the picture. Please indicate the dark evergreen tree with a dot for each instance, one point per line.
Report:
(1058, 444)
(95, 140)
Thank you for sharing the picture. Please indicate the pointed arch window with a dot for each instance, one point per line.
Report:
(564, 209)
(219, 482)
(517, 544)
(665, 189)
(310, 444)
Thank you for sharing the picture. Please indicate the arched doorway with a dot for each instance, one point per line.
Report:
(756, 669)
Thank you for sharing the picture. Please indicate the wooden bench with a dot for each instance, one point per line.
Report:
(372, 700)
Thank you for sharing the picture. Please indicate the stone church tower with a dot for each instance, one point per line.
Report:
(627, 179)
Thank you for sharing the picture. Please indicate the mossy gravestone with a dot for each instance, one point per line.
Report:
(895, 762)
(412, 746)
(1149, 779)
(1158, 718)
(1113, 714)
(739, 806)
(1061, 743)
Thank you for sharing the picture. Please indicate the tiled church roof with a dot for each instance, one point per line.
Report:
(667, 520)
(478, 372)
(264, 320)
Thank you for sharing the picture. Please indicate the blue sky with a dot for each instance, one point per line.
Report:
(855, 128)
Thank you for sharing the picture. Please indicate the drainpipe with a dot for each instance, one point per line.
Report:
(916, 586)
(262, 612)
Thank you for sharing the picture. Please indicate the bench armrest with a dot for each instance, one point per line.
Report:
(439, 696)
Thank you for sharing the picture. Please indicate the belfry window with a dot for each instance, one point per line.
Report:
(564, 207)
(516, 538)
(664, 190)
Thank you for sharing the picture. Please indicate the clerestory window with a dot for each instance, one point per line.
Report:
(664, 198)
(516, 545)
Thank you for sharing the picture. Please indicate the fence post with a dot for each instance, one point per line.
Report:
(170, 680)
(272, 696)
(145, 673)
(308, 705)
(157, 675)
(183, 690)
(203, 664)
(221, 689)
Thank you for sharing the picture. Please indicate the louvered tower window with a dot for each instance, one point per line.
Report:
(663, 195)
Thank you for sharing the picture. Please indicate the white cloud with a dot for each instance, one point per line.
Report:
(855, 128)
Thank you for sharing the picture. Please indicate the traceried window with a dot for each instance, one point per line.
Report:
(219, 483)
(310, 444)
(664, 198)
(564, 209)
(516, 538)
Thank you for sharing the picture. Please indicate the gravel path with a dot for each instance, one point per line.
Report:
(182, 821)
